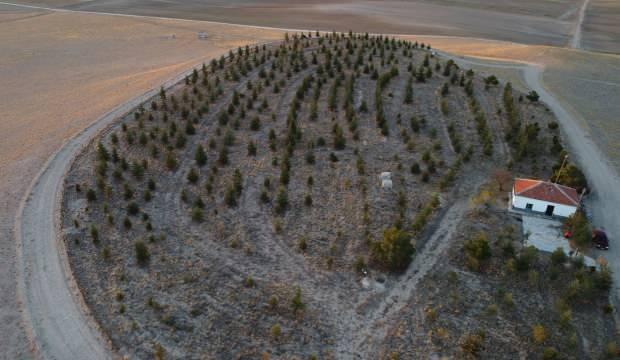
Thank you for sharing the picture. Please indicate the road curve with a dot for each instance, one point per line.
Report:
(603, 180)
(57, 320)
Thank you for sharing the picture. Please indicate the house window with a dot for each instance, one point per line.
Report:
(529, 207)
(550, 209)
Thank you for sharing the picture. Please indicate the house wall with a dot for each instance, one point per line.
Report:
(520, 202)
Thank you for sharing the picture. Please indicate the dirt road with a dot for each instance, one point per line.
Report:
(64, 330)
(575, 41)
(603, 180)
(58, 321)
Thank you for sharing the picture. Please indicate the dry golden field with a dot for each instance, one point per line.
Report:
(60, 72)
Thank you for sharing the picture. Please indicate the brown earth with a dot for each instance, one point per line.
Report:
(534, 22)
(219, 271)
(60, 72)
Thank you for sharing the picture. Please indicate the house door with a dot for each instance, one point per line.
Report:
(550, 209)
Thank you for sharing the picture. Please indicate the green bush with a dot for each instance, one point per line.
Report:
(200, 156)
(296, 303)
(197, 214)
(133, 208)
(142, 253)
(558, 257)
(94, 233)
(91, 195)
(281, 201)
(394, 251)
(527, 257)
(471, 344)
(478, 247)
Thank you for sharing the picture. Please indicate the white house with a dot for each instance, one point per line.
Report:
(544, 197)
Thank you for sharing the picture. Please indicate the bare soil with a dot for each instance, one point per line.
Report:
(60, 73)
(220, 285)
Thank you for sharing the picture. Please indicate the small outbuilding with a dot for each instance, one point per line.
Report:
(386, 180)
(544, 197)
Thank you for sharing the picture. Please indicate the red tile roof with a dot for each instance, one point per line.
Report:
(546, 191)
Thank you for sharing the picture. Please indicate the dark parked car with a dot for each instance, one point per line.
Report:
(599, 239)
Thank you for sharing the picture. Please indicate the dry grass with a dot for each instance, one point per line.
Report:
(60, 72)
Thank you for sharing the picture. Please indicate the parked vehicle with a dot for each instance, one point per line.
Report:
(600, 240)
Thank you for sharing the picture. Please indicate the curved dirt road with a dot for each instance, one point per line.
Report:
(59, 323)
(57, 320)
(603, 180)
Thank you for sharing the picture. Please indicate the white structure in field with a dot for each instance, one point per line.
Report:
(386, 180)
(544, 197)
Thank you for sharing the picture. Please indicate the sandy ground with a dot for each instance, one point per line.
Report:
(59, 73)
(79, 69)
(54, 308)
(600, 29)
(587, 150)
(585, 83)
(529, 21)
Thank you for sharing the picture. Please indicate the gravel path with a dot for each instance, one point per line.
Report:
(575, 41)
(603, 179)
(58, 322)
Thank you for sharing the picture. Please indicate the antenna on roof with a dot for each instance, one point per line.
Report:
(557, 177)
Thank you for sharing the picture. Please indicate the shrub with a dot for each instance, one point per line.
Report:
(603, 279)
(91, 195)
(230, 197)
(533, 96)
(264, 197)
(276, 331)
(570, 175)
(200, 156)
(308, 200)
(192, 176)
(302, 244)
(255, 124)
(94, 233)
(526, 258)
(197, 214)
(359, 265)
(171, 161)
(106, 253)
(478, 247)
(251, 149)
(471, 344)
(297, 304)
(578, 225)
(281, 201)
(394, 251)
(339, 140)
(133, 208)
(539, 334)
(127, 223)
(142, 253)
(550, 353)
(444, 107)
(558, 257)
